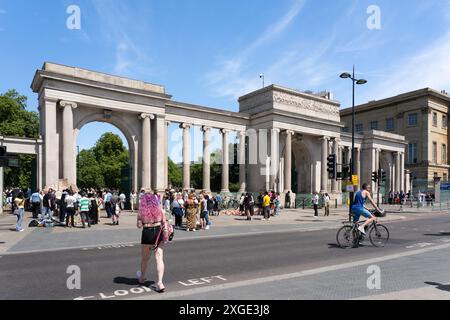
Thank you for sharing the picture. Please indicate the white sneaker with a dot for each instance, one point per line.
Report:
(138, 274)
(263, 219)
(361, 229)
(207, 227)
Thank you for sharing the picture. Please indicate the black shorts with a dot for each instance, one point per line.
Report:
(203, 214)
(149, 236)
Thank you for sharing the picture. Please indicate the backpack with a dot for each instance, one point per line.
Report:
(33, 224)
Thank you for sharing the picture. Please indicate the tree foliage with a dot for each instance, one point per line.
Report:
(17, 121)
(101, 166)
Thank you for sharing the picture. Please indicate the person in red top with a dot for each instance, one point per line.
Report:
(151, 219)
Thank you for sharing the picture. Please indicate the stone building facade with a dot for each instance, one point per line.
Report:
(422, 117)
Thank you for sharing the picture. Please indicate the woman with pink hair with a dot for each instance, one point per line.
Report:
(152, 220)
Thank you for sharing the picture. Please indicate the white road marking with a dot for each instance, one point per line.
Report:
(201, 281)
(301, 274)
(420, 245)
(84, 298)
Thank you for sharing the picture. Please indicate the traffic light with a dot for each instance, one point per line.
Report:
(332, 168)
(346, 172)
(374, 176)
(382, 176)
(2, 151)
(3, 157)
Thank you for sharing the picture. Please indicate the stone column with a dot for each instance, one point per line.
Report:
(68, 142)
(242, 162)
(166, 148)
(225, 162)
(323, 171)
(407, 181)
(186, 155)
(274, 156)
(146, 150)
(397, 171)
(288, 162)
(160, 161)
(334, 183)
(358, 166)
(402, 172)
(51, 143)
(206, 159)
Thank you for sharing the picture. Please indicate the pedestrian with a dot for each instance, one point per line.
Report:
(84, 210)
(122, 200)
(115, 209)
(62, 207)
(288, 200)
(178, 210)
(315, 201)
(47, 205)
(191, 213)
(249, 204)
(277, 203)
(266, 206)
(93, 211)
(241, 205)
(19, 203)
(133, 197)
(326, 200)
(36, 202)
(70, 203)
(152, 220)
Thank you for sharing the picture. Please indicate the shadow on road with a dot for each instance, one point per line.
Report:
(131, 281)
(440, 234)
(443, 287)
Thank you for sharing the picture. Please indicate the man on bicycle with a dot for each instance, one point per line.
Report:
(358, 208)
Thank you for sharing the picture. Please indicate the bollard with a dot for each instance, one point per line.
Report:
(335, 203)
(303, 204)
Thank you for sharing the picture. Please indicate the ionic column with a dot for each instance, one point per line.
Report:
(402, 172)
(51, 142)
(68, 142)
(334, 183)
(146, 150)
(168, 123)
(274, 156)
(206, 159)
(242, 162)
(288, 162)
(323, 171)
(160, 161)
(397, 172)
(225, 162)
(186, 155)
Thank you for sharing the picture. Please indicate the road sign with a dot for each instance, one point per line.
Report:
(350, 188)
(13, 163)
(445, 186)
(355, 180)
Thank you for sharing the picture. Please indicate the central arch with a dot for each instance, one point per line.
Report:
(302, 175)
(128, 131)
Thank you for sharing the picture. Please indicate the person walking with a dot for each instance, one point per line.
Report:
(47, 205)
(315, 201)
(70, 203)
(107, 202)
(191, 213)
(249, 204)
(326, 200)
(288, 200)
(277, 203)
(84, 210)
(133, 197)
(93, 211)
(19, 203)
(122, 200)
(178, 210)
(203, 212)
(152, 220)
(266, 206)
(62, 207)
(115, 209)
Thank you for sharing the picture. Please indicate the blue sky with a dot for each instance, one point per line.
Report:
(211, 52)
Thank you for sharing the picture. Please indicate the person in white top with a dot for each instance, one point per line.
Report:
(133, 197)
(315, 201)
(122, 199)
(70, 209)
(327, 199)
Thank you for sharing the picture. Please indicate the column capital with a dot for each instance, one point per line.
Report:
(275, 130)
(186, 126)
(143, 116)
(242, 133)
(325, 138)
(225, 131)
(289, 132)
(69, 104)
(206, 129)
(168, 123)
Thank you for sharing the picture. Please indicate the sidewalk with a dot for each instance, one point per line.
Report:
(105, 234)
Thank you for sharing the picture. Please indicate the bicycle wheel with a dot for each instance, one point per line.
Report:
(379, 235)
(346, 237)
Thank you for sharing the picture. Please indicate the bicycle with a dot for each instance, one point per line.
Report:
(350, 237)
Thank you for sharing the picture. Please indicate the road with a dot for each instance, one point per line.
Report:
(285, 265)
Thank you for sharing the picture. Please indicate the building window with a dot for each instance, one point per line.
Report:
(412, 153)
(444, 122)
(390, 124)
(435, 119)
(345, 129)
(444, 154)
(359, 128)
(412, 120)
(435, 152)
(374, 125)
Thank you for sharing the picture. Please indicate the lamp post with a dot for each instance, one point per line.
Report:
(355, 81)
(261, 76)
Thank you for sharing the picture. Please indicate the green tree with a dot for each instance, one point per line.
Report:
(89, 172)
(175, 175)
(17, 121)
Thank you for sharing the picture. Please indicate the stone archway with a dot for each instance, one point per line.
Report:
(302, 172)
(124, 126)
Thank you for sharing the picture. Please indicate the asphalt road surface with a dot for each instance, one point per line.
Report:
(109, 273)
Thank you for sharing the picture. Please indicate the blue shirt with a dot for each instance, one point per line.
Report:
(360, 201)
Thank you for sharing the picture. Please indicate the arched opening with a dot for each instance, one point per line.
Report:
(105, 156)
(302, 172)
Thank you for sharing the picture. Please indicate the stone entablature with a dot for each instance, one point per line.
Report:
(279, 98)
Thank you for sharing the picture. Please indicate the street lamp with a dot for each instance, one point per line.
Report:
(347, 75)
(261, 76)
